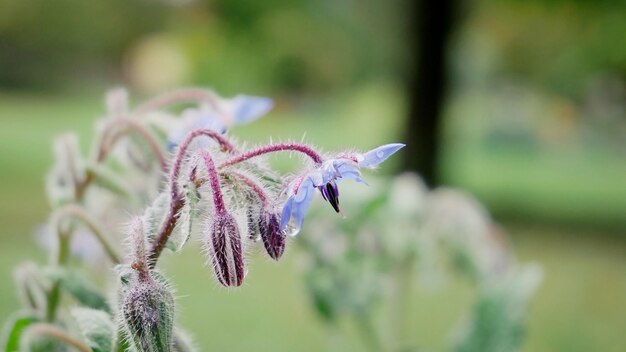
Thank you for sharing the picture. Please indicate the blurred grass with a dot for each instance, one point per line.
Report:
(579, 307)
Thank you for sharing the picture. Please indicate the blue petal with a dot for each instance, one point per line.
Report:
(208, 120)
(300, 208)
(350, 171)
(380, 154)
(286, 214)
(306, 187)
(297, 205)
(245, 108)
(194, 119)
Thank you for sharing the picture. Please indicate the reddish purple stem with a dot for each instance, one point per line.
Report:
(218, 200)
(176, 201)
(182, 151)
(253, 185)
(306, 150)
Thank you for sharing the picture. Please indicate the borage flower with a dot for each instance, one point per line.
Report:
(324, 177)
(238, 110)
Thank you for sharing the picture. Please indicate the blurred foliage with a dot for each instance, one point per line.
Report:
(558, 45)
(45, 43)
(275, 45)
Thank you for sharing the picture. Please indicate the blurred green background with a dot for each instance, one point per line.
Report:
(534, 125)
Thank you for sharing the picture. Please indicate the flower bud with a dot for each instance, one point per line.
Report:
(273, 238)
(146, 300)
(252, 217)
(29, 285)
(148, 314)
(224, 247)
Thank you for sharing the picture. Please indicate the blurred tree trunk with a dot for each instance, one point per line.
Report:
(430, 24)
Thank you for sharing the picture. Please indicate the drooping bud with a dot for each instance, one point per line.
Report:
(224, 247)
(252, 217)
(273, 238)
(147, 301)
(28, 282)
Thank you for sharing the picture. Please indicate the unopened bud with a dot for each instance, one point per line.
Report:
(148, 314)
(146, 299)
(273, 238)
(252, 216)
(29, 285)
(224, 247)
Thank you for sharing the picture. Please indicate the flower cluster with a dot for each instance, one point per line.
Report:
(242, 191)
(182, 175)
(225, 194)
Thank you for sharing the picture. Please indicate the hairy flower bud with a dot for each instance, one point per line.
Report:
(148, 314)
(224, 248)
(146, 300)
(252, 217)
(273, 238)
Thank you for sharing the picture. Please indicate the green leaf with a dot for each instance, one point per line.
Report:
(77, 285)
(154, 215)
(184, 227)
(15, 326)
(96, 327)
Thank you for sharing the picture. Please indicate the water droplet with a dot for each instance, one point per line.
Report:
(380, 154)
(291, 230)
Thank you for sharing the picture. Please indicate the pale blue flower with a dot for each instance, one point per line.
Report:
(245, 108)
(301, 191)
(238, 110)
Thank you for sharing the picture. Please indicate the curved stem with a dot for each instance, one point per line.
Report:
(79, 213)
(182, 152)
(129, 125)
(176, 200)
(253, 185)
(58, 334)
(105, 146)
(218, 200)
(271, 148)
(60, 260)
(186, 95)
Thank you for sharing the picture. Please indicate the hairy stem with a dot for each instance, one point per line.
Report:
(107, 142)
(126, 125)
(186, 95)
(271, 148)
(218, 200)
(176, 197)
(75, 211)
(176, 204)
(58, 334)
(254, 186)
(60, 260)
(182, 152)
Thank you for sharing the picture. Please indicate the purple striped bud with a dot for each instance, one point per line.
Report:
(273, 238)
(224, 247)
(252, 216)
